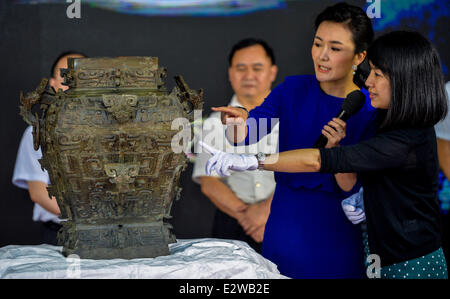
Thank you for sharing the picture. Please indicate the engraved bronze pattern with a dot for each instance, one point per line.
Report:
(106, 144)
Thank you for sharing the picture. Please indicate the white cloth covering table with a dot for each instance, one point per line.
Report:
(189, 258)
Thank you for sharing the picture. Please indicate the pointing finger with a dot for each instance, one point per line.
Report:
(229, 110)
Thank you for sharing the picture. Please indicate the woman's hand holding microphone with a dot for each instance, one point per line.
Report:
(334, 131)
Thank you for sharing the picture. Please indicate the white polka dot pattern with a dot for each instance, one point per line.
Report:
(430, 266)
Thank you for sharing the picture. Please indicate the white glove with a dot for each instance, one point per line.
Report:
(222, 162)
(353, 207)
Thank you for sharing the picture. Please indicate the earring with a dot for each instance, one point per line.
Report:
(354, 67)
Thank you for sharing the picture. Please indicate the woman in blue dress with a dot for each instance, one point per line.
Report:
(307, 235)
(398, 166)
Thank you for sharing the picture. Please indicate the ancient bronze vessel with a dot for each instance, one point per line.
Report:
(106, 143)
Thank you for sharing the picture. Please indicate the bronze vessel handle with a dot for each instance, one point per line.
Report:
(27, 103)
(191, 99)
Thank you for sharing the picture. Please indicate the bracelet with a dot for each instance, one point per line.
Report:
(248, 113)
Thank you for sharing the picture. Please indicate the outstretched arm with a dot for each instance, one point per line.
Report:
(384, 151)
(301, 160)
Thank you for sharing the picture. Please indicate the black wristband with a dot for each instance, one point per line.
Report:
(248, 114)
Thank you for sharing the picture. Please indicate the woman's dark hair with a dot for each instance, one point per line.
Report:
(412, 64)
(359, 25)
(248, 42)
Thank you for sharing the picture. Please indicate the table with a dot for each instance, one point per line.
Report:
(189, 258)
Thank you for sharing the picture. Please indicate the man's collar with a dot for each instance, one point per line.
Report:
(234, 101)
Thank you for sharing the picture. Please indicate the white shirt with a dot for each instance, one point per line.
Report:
(442, 128)
(27, 169)
(249, 186)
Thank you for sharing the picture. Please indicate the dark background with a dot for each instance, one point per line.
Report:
(31, 36)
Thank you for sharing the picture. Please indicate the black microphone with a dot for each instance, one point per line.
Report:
(351, 105)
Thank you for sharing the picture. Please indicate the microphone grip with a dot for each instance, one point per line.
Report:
(322, 140)
(343, 115)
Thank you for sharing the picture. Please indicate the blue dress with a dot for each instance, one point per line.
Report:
(307, 234)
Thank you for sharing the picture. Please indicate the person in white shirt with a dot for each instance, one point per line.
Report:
(242, 199)
(28, 173)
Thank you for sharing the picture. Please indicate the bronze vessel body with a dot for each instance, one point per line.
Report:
(106, 144)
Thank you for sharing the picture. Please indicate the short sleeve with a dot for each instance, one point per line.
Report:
(27, 167)
(384, 151)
